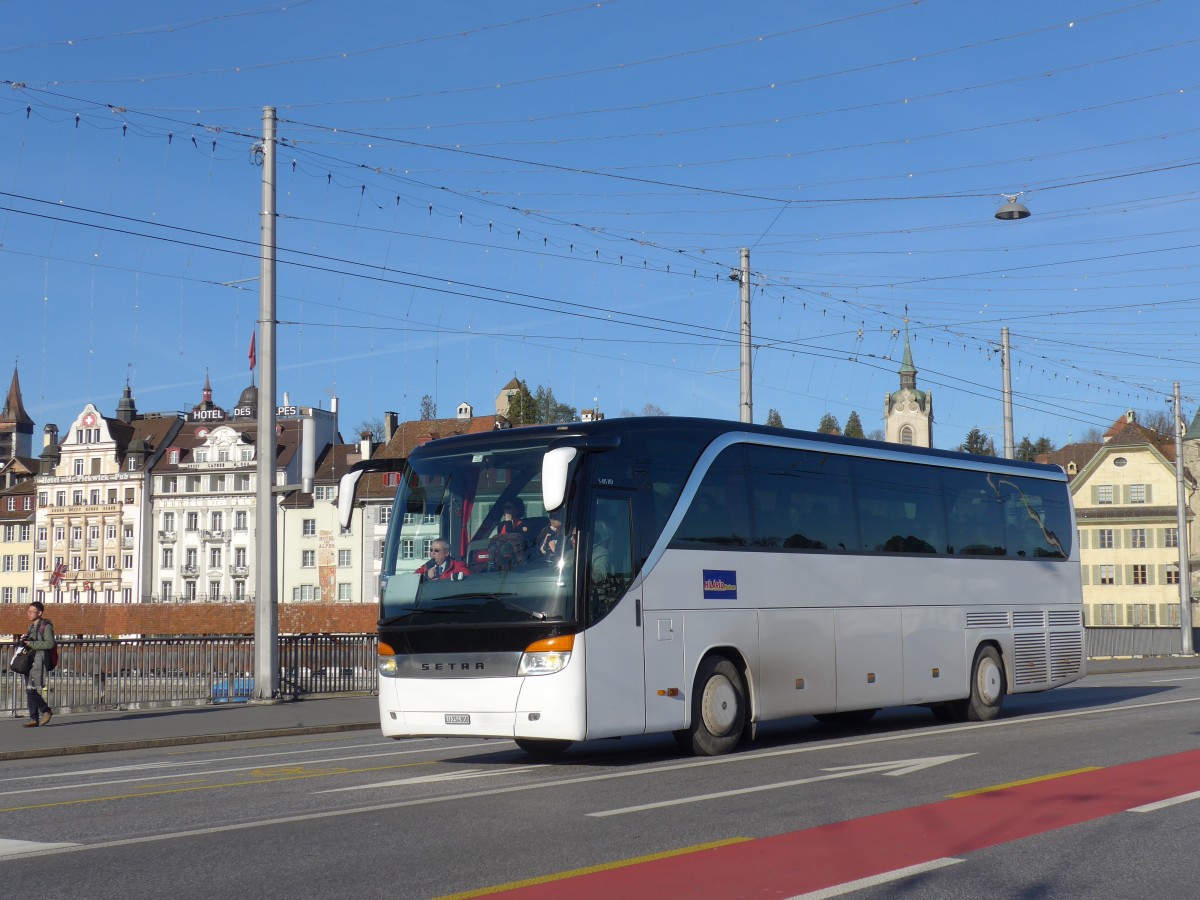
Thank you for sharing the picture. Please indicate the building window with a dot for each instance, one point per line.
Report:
(343, 558)
(408, 549)
(214, 590)
(385, 515)
(7, 563)
(193, 521)
(906, 435)
(131, 465)
(173, 457)
(189, 557)
(303, 592)
(218, 521)
(308, 558)
(127, 561)
(23, 562)
(60, 498)
(239, 590)
(216, 484)
(168, 521)
(239, 520)
(93, 563)
(1139, 574)
(10, 532)
(1104, 494)
(343, 591)
(214, 558)
(241, 482)
(168, 558)
(78, 466)
(1137, 493)
(165, 591)
(170, 485)
(410, 518)
(192, 485)
(1172, 575)
(429, 519)
(77, 498)
(310, 527)
(427, 547)
(1137, 538)
(1140, 614)
(239, 556)
(1106, 575)
(1171, 537)
(110, 562)
(1107, 614)
(201, 456)
(24, 533)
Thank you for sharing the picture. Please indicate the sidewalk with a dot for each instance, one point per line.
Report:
(174, 726)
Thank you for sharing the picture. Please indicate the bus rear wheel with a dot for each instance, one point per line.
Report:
(987, 691)
(718, 709)
(542, 748)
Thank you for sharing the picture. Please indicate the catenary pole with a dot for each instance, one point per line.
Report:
(1006, 368)
(1185, 578)
(266, 612)
(747, 400)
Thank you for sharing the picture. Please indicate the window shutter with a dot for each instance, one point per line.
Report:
(1149, 538)
(1116, 538)
(1095, 495)
(1153, 610)
(1118, 575)
(1149, 493)
(1162, 537)
(1083, 538)
(1086, 572)
(1150, 575)
(1129, 614)
(1162, 574)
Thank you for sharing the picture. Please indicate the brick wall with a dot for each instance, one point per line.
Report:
(193, 618)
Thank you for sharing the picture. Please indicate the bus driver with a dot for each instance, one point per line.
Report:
(442, 566)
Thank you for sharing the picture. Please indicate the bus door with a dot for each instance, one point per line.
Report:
(615, 674)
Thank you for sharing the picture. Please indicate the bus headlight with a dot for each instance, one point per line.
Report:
(387, 661)
(547, 656)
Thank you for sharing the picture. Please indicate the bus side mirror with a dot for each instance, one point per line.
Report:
(555, 466)
(346, 489)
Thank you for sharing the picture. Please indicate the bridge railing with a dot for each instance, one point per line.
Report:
(98, 674)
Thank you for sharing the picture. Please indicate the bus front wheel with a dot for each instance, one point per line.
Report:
(987, 691)
(718, 709)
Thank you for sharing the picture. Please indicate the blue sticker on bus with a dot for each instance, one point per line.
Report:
(720, 584)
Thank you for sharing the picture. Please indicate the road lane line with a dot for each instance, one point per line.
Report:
(161, 775)
(1173, 680)
(11, 847)
(207, 787)
(433, 779)
(875, 880)
(1010, 784)
(1163, 804)
(588, 870)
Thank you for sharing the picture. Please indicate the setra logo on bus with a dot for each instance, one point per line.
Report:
(720, 584)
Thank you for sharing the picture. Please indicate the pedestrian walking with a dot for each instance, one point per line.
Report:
(39, 639)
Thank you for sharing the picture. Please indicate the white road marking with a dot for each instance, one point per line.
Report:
(10, 847)
(1163, 804)
(433, 779)
(850, 887)
(898, 767)
(1173, 680)
(161, 776)
(176, 764)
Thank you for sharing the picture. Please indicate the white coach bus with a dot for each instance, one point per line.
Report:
(706, 576)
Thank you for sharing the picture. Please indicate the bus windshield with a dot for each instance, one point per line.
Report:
(470, 542)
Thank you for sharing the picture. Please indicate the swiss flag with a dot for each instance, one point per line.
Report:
(253, 356)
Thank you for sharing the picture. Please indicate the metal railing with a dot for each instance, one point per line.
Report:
(97, 674)
(1141, 641)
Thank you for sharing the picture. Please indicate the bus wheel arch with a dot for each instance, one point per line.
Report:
(720, 705)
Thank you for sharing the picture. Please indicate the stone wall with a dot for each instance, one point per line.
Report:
(72, 619)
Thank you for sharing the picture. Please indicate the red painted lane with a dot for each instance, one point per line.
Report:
(828, 855)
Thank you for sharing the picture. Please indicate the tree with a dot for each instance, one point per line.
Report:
(428, 408)
(854, 425)
(978, 443)
(539, 407)
(650, 409)
(1092, 436)
(371, 428)
(829, 425)
(877, 435)
(1157, 420)
(1029, 450)
(774, 419)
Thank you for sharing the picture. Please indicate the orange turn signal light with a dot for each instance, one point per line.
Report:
(562, 644)
(386, 649)
(668, 692)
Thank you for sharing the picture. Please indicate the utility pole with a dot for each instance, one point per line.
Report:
(747, 401)
(1009, 449)
(266, 610)
(1185, 578)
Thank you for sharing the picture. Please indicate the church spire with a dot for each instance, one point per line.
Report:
(14, 409)
(908, 372)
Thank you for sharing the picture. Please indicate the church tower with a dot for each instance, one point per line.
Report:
(16, 428)
(908, 412)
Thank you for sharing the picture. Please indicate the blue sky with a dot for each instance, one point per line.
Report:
(558, 191)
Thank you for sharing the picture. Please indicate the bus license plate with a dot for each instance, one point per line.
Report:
(458, 719)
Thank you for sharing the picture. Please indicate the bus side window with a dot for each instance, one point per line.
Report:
(719, 513)
(610, 569)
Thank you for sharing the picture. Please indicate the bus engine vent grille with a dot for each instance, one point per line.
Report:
(987, 620)
(1029, 618)
(1068, 618)
(1030, 662)
(1066, 655)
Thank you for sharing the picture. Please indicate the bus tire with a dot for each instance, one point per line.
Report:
(847, 717)
(541, 748)
(987, 686)
(718, 709)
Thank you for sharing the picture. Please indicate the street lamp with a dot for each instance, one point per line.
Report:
(1012, 209)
